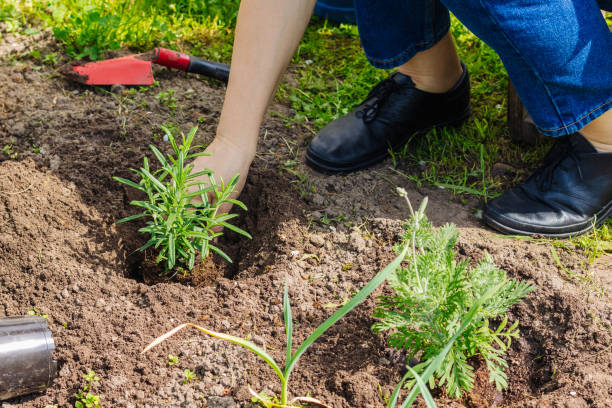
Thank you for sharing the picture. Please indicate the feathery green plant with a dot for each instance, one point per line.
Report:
(433, 296)
(436, 362)
(180, 227)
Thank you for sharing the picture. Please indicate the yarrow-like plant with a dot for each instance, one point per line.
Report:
(442, 310)
(182, 218)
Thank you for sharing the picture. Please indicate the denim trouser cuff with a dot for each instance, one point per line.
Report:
(392, 32)
(557, 52)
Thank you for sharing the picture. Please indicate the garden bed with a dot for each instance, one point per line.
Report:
(61, 254)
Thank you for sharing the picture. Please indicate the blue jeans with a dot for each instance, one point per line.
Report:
(558, 53)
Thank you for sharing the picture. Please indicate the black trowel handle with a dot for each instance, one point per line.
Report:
(189, 63)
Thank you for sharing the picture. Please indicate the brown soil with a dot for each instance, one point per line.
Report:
(62, 254)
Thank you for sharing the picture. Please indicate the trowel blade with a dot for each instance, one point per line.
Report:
(121, 71)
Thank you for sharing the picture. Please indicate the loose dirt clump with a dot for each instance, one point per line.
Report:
(62, 254)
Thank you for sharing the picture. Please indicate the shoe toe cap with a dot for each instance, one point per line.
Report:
(519, 212)
(342, 142)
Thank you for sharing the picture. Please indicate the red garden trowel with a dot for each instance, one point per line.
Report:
(136, 69)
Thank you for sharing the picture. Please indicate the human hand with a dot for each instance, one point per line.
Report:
(226, 160)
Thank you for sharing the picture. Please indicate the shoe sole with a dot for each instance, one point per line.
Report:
(316, 164)
(600, 219)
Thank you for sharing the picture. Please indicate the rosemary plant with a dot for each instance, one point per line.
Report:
(182, 222)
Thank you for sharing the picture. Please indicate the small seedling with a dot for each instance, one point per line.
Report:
(35, 54)
(189, 376)
(85, 399)
(172, 360)
(291, 357)
(178, 225)
(8, 150)
(51, 59)
(35, 312)
(167, 99)
(265, 400)
(327, 221)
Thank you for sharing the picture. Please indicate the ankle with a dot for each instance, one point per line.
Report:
(599, 132)
(601, 141)
(600, 147)
(437, 82)
(436, 69)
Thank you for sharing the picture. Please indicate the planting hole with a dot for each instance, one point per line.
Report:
(271, 202)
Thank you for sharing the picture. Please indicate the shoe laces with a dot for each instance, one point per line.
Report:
(561, 150)
(375, 99)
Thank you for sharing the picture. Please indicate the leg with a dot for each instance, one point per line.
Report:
(599, 132)
(431, 87)
(557, 54)
(434, 70)
(413, 37)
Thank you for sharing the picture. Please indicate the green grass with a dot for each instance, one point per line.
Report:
(329, 72)
(88, 28)
(594, 244)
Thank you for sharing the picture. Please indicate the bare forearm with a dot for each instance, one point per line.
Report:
(267, 34)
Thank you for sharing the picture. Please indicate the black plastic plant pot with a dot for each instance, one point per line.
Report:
(26, 360)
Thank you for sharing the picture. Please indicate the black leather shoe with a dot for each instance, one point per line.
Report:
(567, 196)
(391, 114)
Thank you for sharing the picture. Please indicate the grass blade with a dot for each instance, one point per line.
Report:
(220, 252)
(563, 268)
(147, 245)
(159, 155)
(462, 189)
(171, 251)
(224, 217)
(288, 322)
(358, 298)
(236, 229)
(131, 217)
(190, 137)
(237, 340)
(194, 155)
(148, 206)
(199, 234)
(396, 391)
(423, 389)
(156, 182)
(237, 203)
(171, 139)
